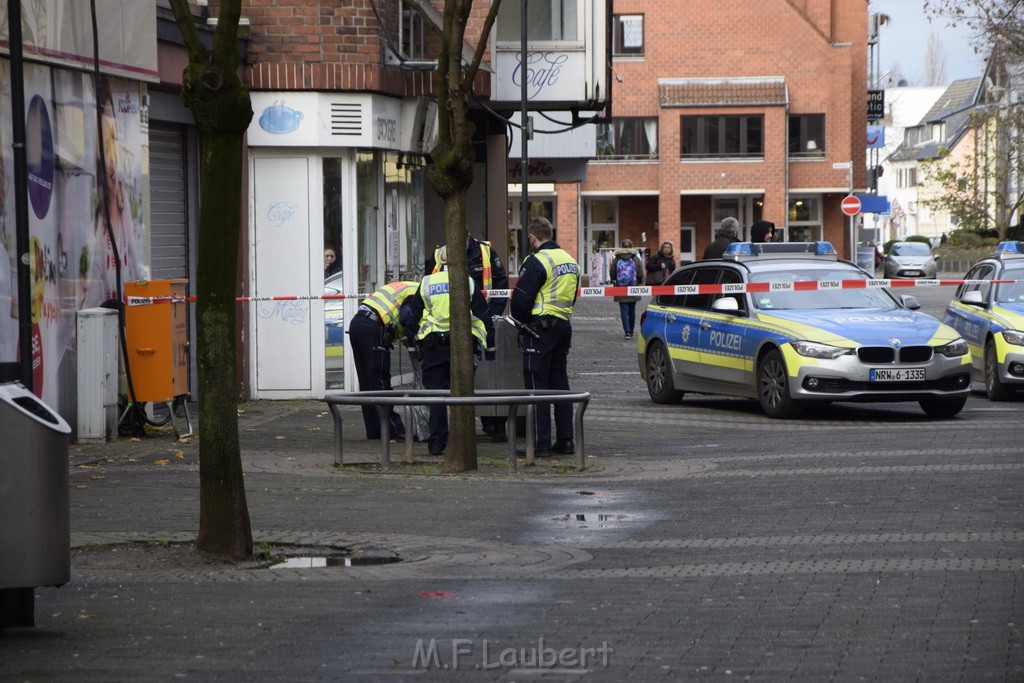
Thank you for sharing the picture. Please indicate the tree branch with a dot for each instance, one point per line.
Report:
(225, 37)
(481, 45)
(189, 34)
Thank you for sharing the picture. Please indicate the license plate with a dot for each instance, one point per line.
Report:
(901, 375)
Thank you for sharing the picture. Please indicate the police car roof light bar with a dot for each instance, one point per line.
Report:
(1009, 249)
(741, 251)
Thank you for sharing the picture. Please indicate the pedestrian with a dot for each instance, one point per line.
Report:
(548, 283)
(331, 265)
(488, 273)
(626, 270)
(943, 238)
(660, 265)
(762, 231)
(726, 234)
(373, 331)
(428, 324)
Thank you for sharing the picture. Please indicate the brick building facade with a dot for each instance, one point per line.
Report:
(723, 108)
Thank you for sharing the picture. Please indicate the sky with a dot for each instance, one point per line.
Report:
(904, 41)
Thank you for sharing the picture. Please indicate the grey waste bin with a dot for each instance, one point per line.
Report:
(35, 536)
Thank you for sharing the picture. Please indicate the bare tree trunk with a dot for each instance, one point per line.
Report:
(222, 111)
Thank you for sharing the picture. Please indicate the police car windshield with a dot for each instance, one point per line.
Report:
(823, 299)
(1013, 293)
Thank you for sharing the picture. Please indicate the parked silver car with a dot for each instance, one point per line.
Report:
(910, 259)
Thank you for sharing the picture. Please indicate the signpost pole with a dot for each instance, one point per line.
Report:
(853, 242)
(525, 134)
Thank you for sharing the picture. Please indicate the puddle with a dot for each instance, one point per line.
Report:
(594, 517)
(313, 562)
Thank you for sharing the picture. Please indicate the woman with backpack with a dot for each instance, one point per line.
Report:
(626, 270)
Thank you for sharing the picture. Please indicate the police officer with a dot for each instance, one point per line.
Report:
(543, 299)
(428, 322)
(373, 331)
(488, 273)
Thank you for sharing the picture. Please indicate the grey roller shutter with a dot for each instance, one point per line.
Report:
(168, 201)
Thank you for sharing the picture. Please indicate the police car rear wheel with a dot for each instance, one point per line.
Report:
(773, 388)
(659, 375)
(941, 408)
(993, 385)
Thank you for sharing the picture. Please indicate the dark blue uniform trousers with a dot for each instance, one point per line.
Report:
(436, 365)
(545, 366)
(373, 368)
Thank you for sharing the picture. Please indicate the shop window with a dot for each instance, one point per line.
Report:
(628, 35)
(807, 135)
(738, 137)
(804, 224)
(630, 137)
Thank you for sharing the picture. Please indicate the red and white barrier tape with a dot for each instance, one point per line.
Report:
(595, 292)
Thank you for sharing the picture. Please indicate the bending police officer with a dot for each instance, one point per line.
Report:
(373, 331)
(543, 299)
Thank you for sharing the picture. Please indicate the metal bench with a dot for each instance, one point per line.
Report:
(513, 398)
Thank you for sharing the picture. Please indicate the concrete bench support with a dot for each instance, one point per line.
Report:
(513, 398)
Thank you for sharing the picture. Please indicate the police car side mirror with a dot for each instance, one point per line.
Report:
(910, 302)
(725, 305)
(973, 298)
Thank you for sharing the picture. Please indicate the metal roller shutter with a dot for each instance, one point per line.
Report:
(168, 197)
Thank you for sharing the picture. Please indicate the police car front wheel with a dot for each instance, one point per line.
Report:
(773, 387)
(993, 384)
(659, 375)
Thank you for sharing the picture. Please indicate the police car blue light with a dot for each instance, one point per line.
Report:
(1010, 248)
(789, 346)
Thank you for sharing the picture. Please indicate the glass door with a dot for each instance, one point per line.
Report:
(600, 237)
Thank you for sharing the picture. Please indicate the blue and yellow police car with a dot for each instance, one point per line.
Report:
(991, 318)
(791, 324)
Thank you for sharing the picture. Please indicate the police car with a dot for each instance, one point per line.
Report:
(791, 324)
(991, 318)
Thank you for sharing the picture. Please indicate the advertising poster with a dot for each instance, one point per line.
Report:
(85, 214)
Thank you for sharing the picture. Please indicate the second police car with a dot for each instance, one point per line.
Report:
(991, 318)
(807, 336)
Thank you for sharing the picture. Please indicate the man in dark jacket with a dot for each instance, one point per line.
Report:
(725, 235)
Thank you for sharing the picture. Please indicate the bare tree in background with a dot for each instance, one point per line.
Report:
(934, 62)
(990, 192)
(996, 25)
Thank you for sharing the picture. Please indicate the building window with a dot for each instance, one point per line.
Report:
(546, 20)
(906, 177)
(628, 35)
(804, 224)
(738, 137)
(630, 137)
(410, 31)
(806, 135)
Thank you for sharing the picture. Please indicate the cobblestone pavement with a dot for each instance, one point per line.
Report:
(704, 541)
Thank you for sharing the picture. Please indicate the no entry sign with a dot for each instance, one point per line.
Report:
(850, 205)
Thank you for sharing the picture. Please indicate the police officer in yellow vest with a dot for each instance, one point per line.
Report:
(373, 332)
(488, 273)
(543, 299)
(428, 323)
